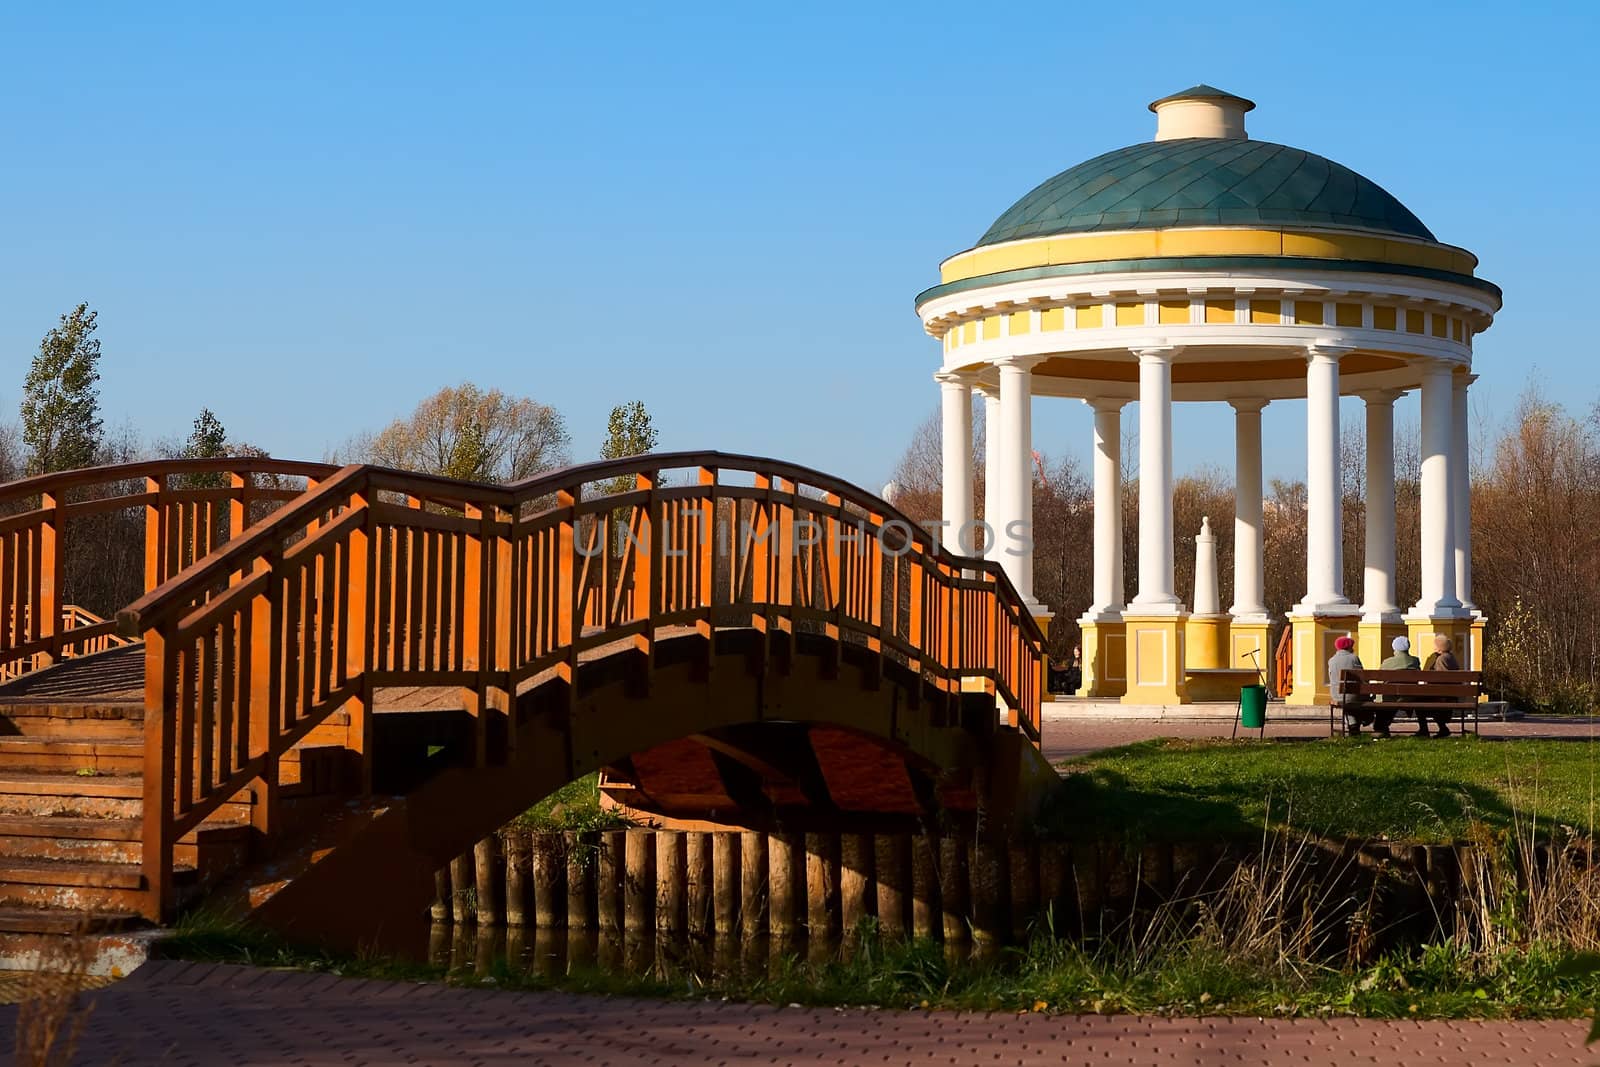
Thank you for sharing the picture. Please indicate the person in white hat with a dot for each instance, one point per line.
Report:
(1403, 660)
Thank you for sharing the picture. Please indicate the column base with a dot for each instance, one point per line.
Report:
(1375, 637)
(1105, 656)
(1312, 640)
(1248, 647)
(1205, 640)
(1155, 653)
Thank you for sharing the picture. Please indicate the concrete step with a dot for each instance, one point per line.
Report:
(100, 796)
(104, 943)
(41, 883)
(77, 721)
(52, 754)
(52, 837)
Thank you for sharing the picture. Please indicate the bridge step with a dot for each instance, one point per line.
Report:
(100, 796)
(104, 840)
(79, 722)
(45, 753)
(45, 884)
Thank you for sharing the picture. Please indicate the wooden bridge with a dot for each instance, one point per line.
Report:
(356, 673)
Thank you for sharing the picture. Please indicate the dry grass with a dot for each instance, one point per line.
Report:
(51, 1016)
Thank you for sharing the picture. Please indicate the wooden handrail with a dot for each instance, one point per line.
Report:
(61, 481)
(381, 577)
(181, 521)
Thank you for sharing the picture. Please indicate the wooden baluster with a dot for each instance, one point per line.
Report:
(155, 532)
(648, 558)
(705, 534)
(359, 594)
(51, 579)
(160, 720)
(477, 657)
(267, 687)
(243, 487)
(567, 575)
(501, 638)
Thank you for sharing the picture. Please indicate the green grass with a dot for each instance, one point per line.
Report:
(575, 806)
(1405, 789)
(1046, 975)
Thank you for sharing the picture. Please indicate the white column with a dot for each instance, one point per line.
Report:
(1438, 535)
(1014, 535)
(991, 468)
(1108, 584)
(955, 398)
(1324, 489)
(1377, 593)
(1461, 490)
(1249, 531)
(1156, 593)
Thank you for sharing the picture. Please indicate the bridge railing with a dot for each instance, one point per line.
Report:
(73, 527)
(378, 578)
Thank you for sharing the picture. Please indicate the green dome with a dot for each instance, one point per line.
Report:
(1203, 181)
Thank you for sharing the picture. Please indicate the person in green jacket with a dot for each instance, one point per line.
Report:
(1402, 660)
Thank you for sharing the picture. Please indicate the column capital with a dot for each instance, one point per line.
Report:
(1158, 353)
(950, 378)
(1464, 377)
(1108, 403)
(1243, 404)
(1328, 350)
(1380, 397)
(1017, 362)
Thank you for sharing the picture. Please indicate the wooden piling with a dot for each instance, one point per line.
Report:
(725, 881)
(483, 861)
(987, 889)
(581, 852)
(783, 885)
(670, 872)
(462, 888)
(639, 889)
(518, 864)
(440, 909)
(822, 886)
(698, 879)
(925, 887)
(549, 903)
(608, 883)
(1055, 880)
(1023, 878)
(855, 880)
(892, 878)
(953, 888)
(752, 883)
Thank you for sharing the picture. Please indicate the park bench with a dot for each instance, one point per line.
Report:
(1402, 692)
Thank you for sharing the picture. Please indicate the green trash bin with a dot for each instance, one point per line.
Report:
(1253, 707)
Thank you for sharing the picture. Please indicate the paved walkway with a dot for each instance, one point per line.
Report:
(202, 1014)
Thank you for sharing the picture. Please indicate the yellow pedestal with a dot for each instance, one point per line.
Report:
(1206, 642)
(1313, 638)
(1474, 660)
(1155, 645)
(1246, 636)
(1375, 640)
(1423, 630)
(1105, 658)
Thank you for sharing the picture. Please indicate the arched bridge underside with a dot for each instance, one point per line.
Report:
(369, 671)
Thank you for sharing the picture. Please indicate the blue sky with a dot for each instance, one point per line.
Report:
(308, 218)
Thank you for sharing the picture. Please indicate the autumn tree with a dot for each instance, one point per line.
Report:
(473, 434)
(61, 426)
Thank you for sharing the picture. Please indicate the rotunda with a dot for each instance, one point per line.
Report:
(1204, 266)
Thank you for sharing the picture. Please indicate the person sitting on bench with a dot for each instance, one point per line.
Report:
(1402, 660)
(1345, 659)
(1443, 659)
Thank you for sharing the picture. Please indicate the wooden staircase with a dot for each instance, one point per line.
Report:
(71, 814)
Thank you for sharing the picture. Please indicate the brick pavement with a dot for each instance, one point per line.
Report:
(179, 1014)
